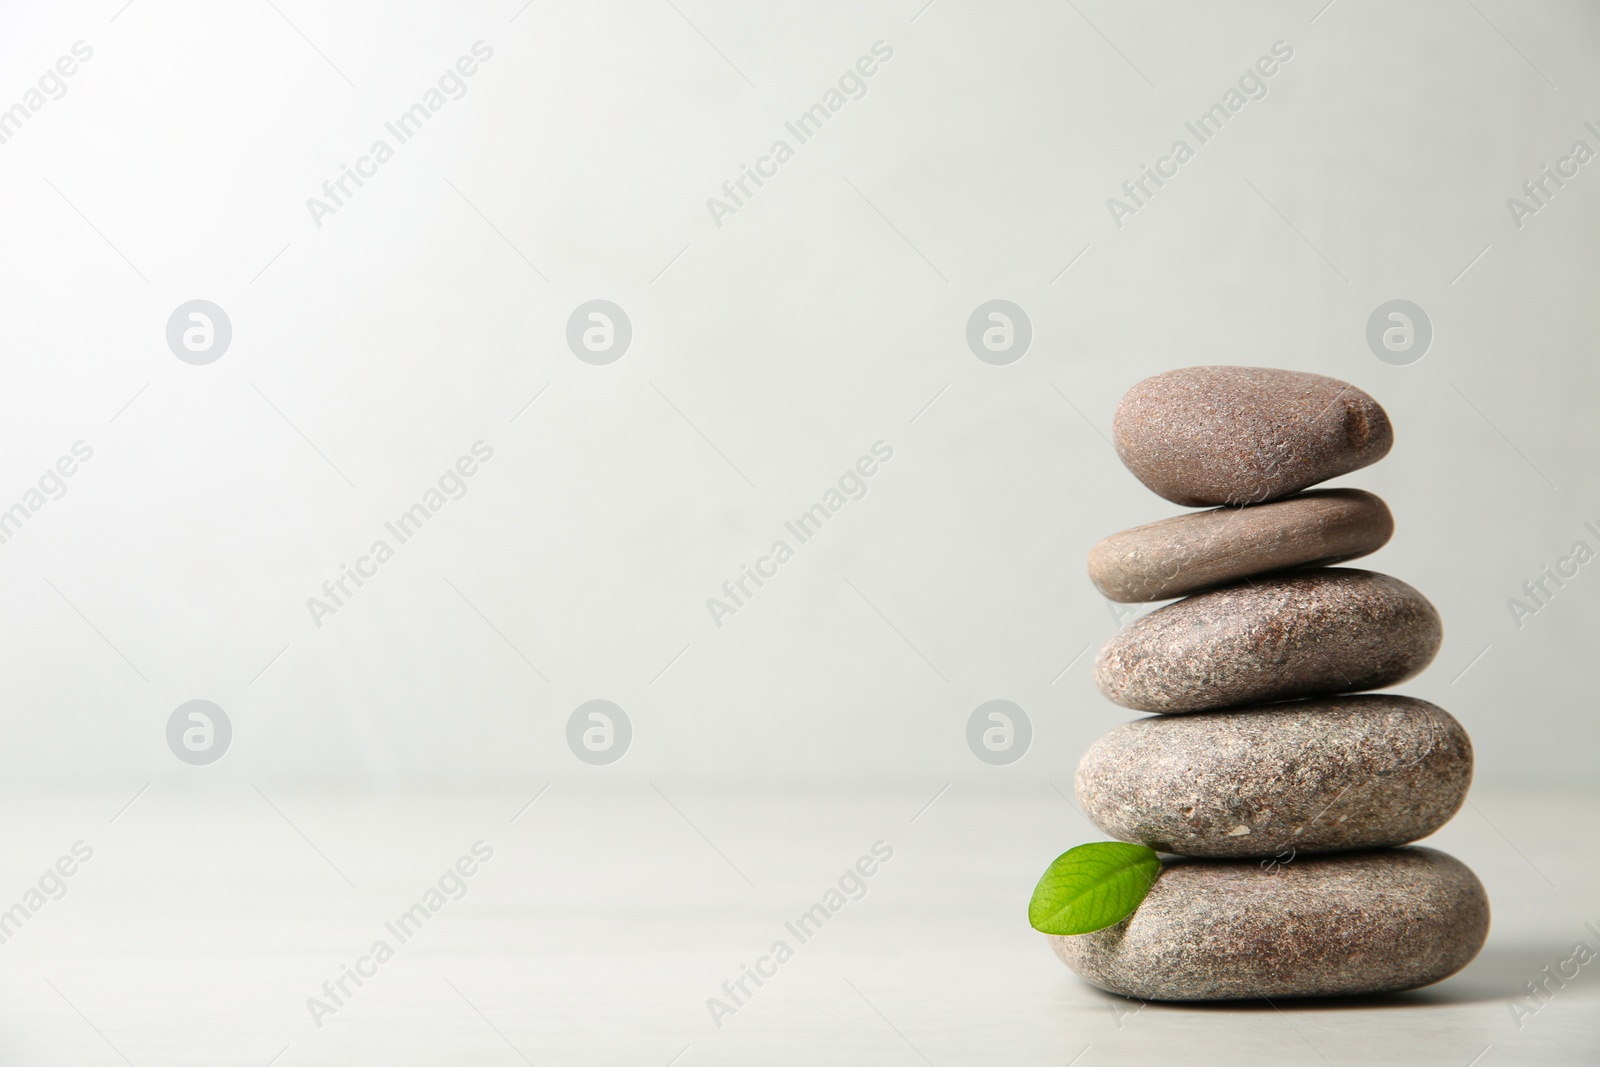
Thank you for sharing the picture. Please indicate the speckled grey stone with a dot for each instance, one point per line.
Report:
(1281, 780)
(1356, 922)
(1245, 435)
(1301, 634)
(1187, 553)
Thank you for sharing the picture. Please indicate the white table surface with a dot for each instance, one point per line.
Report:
(607, 916)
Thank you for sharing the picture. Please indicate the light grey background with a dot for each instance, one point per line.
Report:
(820, 318)
(768, 354)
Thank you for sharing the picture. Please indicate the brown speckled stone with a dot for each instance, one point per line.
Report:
(1245, 435)
(1187, 553)
(1281, 780)
(1302, 634)
(1358, 922)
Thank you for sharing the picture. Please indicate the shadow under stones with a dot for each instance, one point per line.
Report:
(1497, 974)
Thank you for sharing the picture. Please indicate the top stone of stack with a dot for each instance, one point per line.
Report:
(1204, 436)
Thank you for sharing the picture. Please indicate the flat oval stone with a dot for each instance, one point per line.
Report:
(1279, 781)
(1186, 553)
(1245, 435)
(1302, 634)
(1357, 922)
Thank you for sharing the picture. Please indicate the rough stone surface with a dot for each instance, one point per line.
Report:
(1302, 634)
(1357, 922)
(1245, 435)
(1187, 553)
(1279, 781)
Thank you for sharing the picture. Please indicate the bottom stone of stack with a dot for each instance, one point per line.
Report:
(1359, 922)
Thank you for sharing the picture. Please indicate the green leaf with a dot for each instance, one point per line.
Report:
(1092, 886)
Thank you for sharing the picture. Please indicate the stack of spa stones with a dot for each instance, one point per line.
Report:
(1291, 798)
